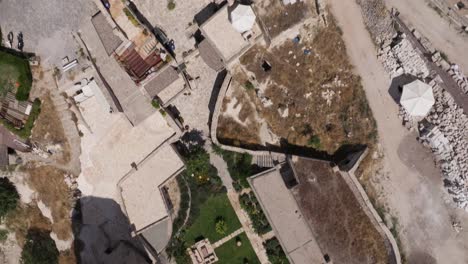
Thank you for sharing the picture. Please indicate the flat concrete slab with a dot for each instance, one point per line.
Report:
(135, 104)
(142, 198)
(285, 217)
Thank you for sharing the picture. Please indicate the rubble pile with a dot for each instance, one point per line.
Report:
(399, 57)
(459, 77)
(447, 136)
(377, 20)
(449, 118)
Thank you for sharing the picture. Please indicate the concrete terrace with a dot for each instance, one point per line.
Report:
(137, 107)
(285, 217)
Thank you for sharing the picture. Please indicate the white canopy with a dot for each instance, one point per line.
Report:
(242, 18)
(417, 98)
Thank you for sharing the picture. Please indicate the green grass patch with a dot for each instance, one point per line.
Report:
(130, 17)
(15, 74)
(215, 207)
(25, 131)
(230, 253)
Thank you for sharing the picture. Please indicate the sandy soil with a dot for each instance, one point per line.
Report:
(340, 224)
(412, 194)
(418, 14)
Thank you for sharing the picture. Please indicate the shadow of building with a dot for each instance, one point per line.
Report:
(103, 234)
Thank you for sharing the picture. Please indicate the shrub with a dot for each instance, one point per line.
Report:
(221, 226)
(39, 248)
(8, 196)
(3, 235)
(239, 166)
(249, 85)
(130, 17)
(155, 104)
(275, 252)
(199, 166)
(314, 142)
(250, 204)
(171, 5)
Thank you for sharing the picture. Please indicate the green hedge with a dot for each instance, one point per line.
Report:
(250, 204)
(8, 196)
(39, 248)
(275, 252)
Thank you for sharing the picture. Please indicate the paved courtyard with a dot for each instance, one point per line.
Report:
(46, 25)
(174, 22)
(195, 108)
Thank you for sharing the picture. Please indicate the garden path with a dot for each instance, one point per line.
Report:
(255, 239)
(228, 237)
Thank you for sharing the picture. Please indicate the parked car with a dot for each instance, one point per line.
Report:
(106, 4)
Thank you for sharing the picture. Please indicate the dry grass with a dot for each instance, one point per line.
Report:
(347, 120)
(340, 225)
(52, 190)
(67, 257)
(48, 128)
(232, 133)
(24, 218)
(278, 17)
(229, 130)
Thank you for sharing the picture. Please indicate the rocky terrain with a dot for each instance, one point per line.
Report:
(447, 123)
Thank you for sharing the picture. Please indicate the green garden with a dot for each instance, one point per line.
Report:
(15, 75)
(210, 213)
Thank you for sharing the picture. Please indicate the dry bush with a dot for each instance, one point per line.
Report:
(24, 218)
(52, 190)
(67, 257)
(231, 132)
(48, 128)
(278, 17)
(348, 120)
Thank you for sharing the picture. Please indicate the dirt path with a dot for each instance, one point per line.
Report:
(417, 200)
(418, 14)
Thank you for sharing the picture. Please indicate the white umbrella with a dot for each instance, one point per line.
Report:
(417, 98)
(242, 18)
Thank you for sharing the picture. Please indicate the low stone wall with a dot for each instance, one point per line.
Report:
(365, 202)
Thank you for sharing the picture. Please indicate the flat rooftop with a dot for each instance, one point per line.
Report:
(137, 107)
(285, 217)
(106, 33)
(166, 84)
(220, 32)
(140, 191)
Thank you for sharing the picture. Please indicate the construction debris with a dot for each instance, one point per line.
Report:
(399, 57)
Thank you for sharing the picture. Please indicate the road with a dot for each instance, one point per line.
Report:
(410, 185)
(418, 14)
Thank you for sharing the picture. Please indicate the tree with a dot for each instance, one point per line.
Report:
(221, 226)
(198, 166)
(39, 248)
(8, 196)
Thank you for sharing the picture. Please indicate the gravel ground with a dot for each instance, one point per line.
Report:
(194, 108)
(409, 184)
(174, 22)
(46, 25)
